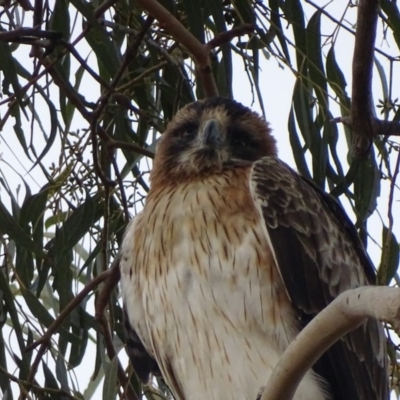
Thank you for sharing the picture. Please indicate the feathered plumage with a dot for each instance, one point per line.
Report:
(233, 254)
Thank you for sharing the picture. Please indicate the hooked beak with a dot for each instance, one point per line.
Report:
(211, 135)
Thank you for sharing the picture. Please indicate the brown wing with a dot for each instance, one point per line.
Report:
(319, 256)
(143, 363)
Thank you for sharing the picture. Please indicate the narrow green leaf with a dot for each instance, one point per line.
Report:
(331, 133)
(61, 373)
(24, 266)
(10, 226)
(40, 312)
(32, 211)
(81, 330)
(194, 13)
(110, 380)
(7, 65)
(301, 105)
(60, 18)
(337, 81)
(315, 64)
(19, 132)
(37, 308)
(60, 22)
(294, 14)
(98, 39)
(343, 186)
(8, 298)
(56, 219)
(78, 223)
(50, 380)
(390, 8)
(366, 187)
(225, 71)
(277, 26)
(4, 381)
(70, 107)
(53, 128)
(389, 258)
(245, 11)
(297, 149)
(382, 76)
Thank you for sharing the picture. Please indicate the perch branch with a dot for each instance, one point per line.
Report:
(200, 52)
(361, 120)
(344, 314)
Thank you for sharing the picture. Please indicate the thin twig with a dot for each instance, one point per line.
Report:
(139, 78)
(339, 23)
(29, 33)
(131, 147)
(31, 386)
(44, 340)
(101, 303)
(109, 285)
(378, 127)
(121, 189)
(225, 37)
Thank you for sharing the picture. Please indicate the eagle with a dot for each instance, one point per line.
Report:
(232, 255)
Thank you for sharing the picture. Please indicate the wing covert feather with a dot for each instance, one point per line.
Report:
(137, 342)
(319, 255)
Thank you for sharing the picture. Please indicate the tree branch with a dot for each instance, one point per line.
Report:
(200, 52)
(344, 314)
(363, 59)
(378, 126)
(361, 120)
(68, 309)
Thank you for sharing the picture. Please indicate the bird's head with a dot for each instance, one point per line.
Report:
(208, 136)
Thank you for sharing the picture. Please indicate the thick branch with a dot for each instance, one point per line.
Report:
(378, 126)
(199, 51)
(361, 120)
(27, 34)
(363, 59)
(344, 314)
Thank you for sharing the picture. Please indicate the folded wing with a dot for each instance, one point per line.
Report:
(319, 255)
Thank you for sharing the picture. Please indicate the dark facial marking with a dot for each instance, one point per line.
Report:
(188, 130)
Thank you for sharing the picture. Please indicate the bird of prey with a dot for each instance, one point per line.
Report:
(232, 255)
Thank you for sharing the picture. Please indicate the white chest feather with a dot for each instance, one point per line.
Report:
(203, 293)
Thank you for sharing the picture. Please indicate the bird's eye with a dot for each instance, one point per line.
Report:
(240, 139)
(188, 131)
(240, 142)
